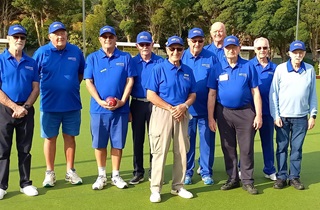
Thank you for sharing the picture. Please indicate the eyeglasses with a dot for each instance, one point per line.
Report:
(264, 48)
(199, 41)
(107, 37)
(144, 44)
(19, 37)
(172, 49)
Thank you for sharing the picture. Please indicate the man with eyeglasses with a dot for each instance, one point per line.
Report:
(172, 90)
(19, 89)
(294, 107)
(233, 88)
(265, 69)
(140, 107)
(109, 73)
(218, 33)
(61, 67)
(201, 61)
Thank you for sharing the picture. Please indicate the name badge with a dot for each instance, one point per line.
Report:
(224, 77)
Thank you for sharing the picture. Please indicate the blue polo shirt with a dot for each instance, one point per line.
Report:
(233, 85)
(172, 84)
(143, 70)
(59, 73)
(201, 66)
(265, 75)
(109, 77)
(16, 78)
(219, 52)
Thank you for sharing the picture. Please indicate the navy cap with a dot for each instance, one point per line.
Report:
(144, 37)
(231, 40)
(195, 32)
(55, 26)
(107, 29)
(17, 29)
(297, 45)
(174, 40)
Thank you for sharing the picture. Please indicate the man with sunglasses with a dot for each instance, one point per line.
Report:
(294, 107)
(140, 107)
(218, 33)
(265, 69)
(233, 87)
(201, 61)
(109, 73)
(172, 90)
(61, 67)
(19, 89)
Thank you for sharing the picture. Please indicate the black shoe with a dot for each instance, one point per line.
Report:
(296, 184)
(136, 179)
(250, 188)
(230, 185)
(279, 184)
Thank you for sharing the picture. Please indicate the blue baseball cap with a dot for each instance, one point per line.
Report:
(297, 45)
(144, 37)
(195, 32)
(17, 29)
(107, 29)
(231, 40)
(174, 40)
(55, 26)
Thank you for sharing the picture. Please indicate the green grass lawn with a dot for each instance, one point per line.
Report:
(67, 196)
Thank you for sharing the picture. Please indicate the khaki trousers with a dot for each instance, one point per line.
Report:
(163, 127)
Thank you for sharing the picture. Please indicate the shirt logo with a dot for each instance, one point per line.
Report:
(243, 74)
(119, 64)
(270, 72)
(29, 68)
(186, 77)
(103, 70)
(72, 58)
(207, 65)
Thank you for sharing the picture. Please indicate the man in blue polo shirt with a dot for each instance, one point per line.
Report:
(61, 67)
(19, 89)
(172, 89)
(292, 98)
(265, 69)
(218, 33)
(140, 107)
(201, 61)
(109, 73)
(235, 85)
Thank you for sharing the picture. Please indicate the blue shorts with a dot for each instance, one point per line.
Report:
(50, 123)
(105, 126)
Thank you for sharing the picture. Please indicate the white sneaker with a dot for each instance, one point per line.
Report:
(239, 175)
(155, 197)
(50, 179)
(198, 170)
(2, 193)
(29, 190)
(100, 183)
(273, 176)
(118, 181)
(183, 193)
(72, 177)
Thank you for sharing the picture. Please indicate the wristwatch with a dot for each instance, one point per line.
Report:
(186, 105)
(26, 106)
(314, 116)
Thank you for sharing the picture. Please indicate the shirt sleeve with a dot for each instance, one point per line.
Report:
(313, 101)
(274, 96)
(88, 70)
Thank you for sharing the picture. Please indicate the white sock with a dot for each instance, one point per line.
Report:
(115, 173)
(102, 171)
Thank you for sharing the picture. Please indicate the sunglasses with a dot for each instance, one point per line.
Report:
(107, 37)
(172, 49)
(195, 41)
(264, 48)
(19, 37)
(144, 44)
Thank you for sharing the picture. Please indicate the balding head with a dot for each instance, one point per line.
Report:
(218, 33)
(260, 39)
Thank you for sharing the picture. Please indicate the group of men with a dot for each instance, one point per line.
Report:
(201, 88)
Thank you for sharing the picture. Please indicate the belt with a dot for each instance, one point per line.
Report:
(140, 99)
